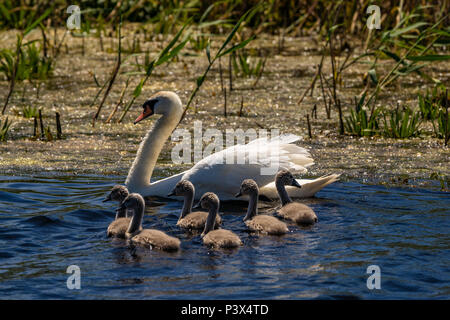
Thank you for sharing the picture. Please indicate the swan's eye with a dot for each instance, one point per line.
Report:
(150, 104)
(148, 107)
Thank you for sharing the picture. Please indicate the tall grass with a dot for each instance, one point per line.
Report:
(443, 126)
(223, 51)
(359, 123)
(11, 66)
(31, 63)
(29, 112)
(401, 124)
(430, 103)
(411, 45)
(290, 17)
(113, 75)
(246, 66)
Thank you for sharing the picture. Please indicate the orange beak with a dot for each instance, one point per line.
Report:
(146, 113)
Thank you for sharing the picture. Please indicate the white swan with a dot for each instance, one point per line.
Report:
(212, 173)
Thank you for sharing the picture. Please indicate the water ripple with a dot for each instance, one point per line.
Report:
(47, 224)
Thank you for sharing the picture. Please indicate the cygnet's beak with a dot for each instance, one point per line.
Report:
(197, 206)
(172, 193)
(237, 195)
(295, 184)
(108, 198)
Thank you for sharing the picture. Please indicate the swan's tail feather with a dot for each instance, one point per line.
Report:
(309, 187)
(312, 187)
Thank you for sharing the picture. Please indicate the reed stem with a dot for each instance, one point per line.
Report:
(41, 124)
(309, 126)
(58, 126)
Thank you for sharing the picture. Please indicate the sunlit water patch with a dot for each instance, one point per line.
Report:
(47, 224)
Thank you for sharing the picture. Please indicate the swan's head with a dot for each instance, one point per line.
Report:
(208, 201)
(182, 188)
(118, 193)
(133, 201)
(284, 177)
(248, 187)
(166, 103)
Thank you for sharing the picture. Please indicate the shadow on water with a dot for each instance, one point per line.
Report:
(47, 224)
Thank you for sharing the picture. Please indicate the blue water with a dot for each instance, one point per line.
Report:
(47, 224)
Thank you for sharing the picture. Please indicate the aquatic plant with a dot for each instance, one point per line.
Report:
(442, 130)
(275, 16)
(31, 65)
(12, 65)
(14, 14)
(220, 53)
(132, 47)
(429, 109)
(431, 102)
(245, 66)
(199, 42)
(120, 101)
(112, 77)
(4, 129)
(402, 123)
(359, 123)
(408, 44)
(29, 112)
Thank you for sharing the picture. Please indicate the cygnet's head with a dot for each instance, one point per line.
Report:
(166, 103)
(286, 178)
(133, 201)
(248, 187)
(208, 201)
(182, 188)
(118, 193)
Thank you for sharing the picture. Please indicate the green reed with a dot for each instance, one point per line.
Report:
(246, 66)
(359, 123)
(401, 124)
(4, 127)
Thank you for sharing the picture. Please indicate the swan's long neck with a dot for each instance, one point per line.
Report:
(282, 193)
(252, 209)
(147, 155)
(211, 220)
(136, 220)
(187, 204)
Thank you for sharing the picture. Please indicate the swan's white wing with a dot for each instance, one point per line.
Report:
(223, 172)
